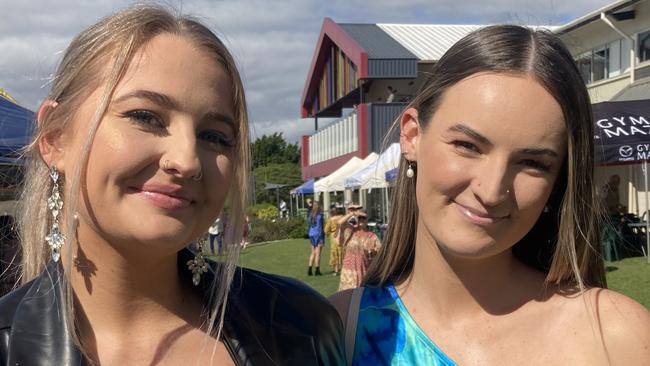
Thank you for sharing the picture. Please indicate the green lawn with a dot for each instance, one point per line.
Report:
(630, 276)
(289, 258)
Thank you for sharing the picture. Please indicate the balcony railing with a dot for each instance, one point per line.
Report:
(339, 138)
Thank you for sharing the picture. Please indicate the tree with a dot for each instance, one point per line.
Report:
(285, 173)
(273, 149)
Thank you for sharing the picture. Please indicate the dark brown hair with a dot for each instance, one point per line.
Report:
(563, 242)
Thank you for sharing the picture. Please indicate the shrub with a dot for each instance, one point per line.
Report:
(265, 211)
(268, 230)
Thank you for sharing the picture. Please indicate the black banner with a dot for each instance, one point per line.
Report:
(622, 132)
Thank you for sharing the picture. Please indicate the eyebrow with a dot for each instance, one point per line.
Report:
(160, 99)
(484, 140)
(471, 133)
(166, 101)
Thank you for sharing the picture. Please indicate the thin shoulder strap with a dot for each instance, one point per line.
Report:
(351, 322)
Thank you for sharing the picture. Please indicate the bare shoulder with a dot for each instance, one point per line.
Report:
(341, 302)
(625, 326)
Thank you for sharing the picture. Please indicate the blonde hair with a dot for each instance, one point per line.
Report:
(113, 41)
(563, 242)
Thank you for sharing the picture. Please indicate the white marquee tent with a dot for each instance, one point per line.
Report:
(374, 175)
(325, 184)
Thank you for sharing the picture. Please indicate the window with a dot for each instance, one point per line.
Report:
(614, 66)
(584, 65)
(600, 64)
(644, 46)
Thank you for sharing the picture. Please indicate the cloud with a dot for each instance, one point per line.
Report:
(273, 42)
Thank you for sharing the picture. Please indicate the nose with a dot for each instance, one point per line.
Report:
(181, 157)
(492, 183)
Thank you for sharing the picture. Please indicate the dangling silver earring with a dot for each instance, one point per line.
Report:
(198, 265)
(409, 172)
(547, 209)
(55, 239)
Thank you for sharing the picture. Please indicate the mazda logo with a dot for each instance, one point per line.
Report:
(626, 151)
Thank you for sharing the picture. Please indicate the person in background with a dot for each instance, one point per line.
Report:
(284, 211)
(611, 194)
(216, 234)
(493, 254)
(360, 249)
(332, 229)
(246, 230)
(9, 254)
(345, 229)
(316, 238)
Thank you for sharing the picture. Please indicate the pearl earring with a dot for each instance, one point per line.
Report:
(409, 172)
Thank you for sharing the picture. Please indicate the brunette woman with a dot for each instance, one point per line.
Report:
(493, 252)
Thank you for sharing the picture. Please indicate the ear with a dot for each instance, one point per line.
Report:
(49, 145)
(409, 133)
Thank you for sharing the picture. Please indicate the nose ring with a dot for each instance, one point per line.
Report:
(198, 176)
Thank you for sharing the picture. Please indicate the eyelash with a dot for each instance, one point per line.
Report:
(466, 146)
(152, 120)
(469, 147)
(216, 138)
(144, 118)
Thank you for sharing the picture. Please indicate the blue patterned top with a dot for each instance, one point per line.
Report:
(388, 335)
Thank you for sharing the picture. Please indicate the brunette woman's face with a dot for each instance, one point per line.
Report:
(169, 123)
(486, 162)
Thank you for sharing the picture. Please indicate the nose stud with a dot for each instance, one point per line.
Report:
(165, 164)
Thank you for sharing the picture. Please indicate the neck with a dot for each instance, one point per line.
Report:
(122, 292)
(453, 287)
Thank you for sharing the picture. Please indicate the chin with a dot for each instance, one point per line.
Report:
(474, 251)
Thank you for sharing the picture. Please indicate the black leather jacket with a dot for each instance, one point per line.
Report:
(270, 320)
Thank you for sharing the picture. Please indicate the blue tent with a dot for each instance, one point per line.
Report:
(305, 188)
(391, 175)
(16, 128)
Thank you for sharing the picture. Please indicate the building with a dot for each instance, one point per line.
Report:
(611, 47)
(363, 75)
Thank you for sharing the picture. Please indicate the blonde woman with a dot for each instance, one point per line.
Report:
(140, 142)
(336, 251)
(493, 255)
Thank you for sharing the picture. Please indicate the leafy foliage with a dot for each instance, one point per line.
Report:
(265, 211)
(274, 149)
(277, 229)
(285, 173)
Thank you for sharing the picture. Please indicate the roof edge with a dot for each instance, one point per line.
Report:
(337, 35)
(594, 15)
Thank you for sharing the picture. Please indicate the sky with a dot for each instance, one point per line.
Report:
(272, 41)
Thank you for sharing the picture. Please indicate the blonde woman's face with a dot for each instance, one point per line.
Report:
(170, 121)
(487, 163)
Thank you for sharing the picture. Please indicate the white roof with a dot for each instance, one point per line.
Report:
(594, 15)
(335, 181)
(374, 175)
(427, 41)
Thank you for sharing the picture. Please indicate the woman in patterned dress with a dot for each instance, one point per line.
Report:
(360, 247)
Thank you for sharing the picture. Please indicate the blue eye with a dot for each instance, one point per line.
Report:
(145, 117)
(216, 138)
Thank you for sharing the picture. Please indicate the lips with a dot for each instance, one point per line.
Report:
(478, 217)
(170, 197)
